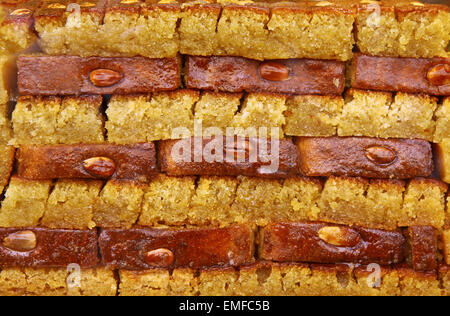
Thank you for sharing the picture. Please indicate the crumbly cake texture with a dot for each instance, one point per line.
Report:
(5, 124)
(24, 203)
(54, 120)
(385, 115)
(442, 154)
(253, 30)
(119, 204)
(189, 201)
(403, 29)
(57, 282)
(361, 113)
(71, 204)
(263, 279)
(15, 28)
(173, 115)
(384, 204)
(6, 164)
(259, 279)
(442, 121)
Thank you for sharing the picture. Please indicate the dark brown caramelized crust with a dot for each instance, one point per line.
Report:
(411, 75)
(228, 156)
(293, 76)
(329, 243)
(71, 75)
(88, 161)
(365, 157)
(41, 247)
(141, 248)
(423, 247)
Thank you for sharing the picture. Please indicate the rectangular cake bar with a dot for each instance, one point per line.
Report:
(72, 75)
(16, 21)
(56, 120)
(402, 29)
(292, 76)
(140, 249)
(91, 161)
(324, 243)
(228, 156)
(364, 157)
(411, 75)
(40, 247)
(442, 154)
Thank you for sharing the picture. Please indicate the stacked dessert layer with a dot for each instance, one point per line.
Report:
(224, 148)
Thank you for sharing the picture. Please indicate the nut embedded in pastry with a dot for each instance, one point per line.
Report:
(292, 76)
(364, 157)
(411, 75)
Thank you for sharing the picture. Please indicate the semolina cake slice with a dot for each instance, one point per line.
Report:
(289, 76)
(72, 75)
(382, 114)
(324, 243)
(49, 248)
(424, 203)
(146, 248)
(312, 115)
(69, 27)
(5, 123)
(216, 110)
(364, 157)
(70, 205)
(442, 121)
(56, 120)
(145, 28)
(7, 154)
(229, 156)
(108, 28)
(118, 204)
(442, 158)
(167, 201)
(403, 29)
(412, 75)
(16, 22)
(24, 203)
(57, 282)
(135, 162)
(165, 115)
